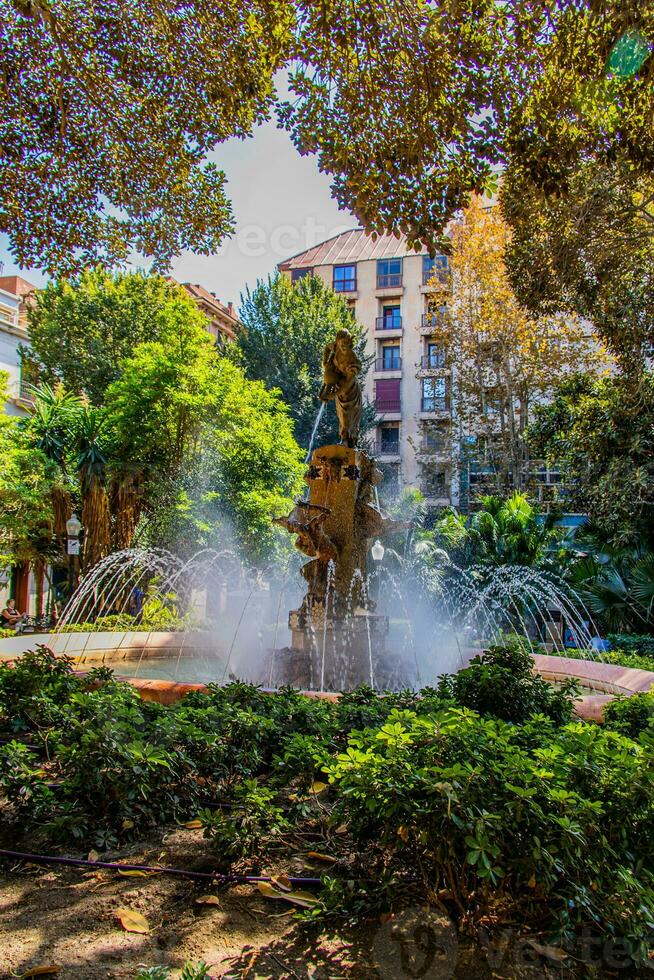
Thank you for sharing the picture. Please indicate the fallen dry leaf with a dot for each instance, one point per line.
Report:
(127, 824)
(93, 856)
(304, 899)
(41, 971)
(318, 788)
(342, 829)
(207, 900)
(193, 825)
(132, 873)
(283, 882)
(317, 856)
(550, 952)
(132, 921)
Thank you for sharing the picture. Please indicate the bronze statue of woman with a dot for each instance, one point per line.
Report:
(341, 383)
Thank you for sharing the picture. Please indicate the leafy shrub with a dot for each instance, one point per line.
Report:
(522, 817)
(121, 623)
(5, 633)
(631, 715)
(642, 644)
(254, 820)
(501, 683)
(199, 971)
(527, 819)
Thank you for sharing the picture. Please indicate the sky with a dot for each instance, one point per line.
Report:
(282, 205)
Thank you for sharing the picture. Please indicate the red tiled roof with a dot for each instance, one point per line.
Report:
(350, 246)
(17, 286)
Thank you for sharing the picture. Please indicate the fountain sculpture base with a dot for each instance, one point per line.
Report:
(337, 638)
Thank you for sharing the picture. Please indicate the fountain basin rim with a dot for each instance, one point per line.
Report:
(96, 647)
(589, 707)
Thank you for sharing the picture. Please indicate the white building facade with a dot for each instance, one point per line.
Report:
(14, 295)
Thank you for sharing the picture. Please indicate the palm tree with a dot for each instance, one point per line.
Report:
(615, 581)
(53, 423)
(92, 470)
(501, 532)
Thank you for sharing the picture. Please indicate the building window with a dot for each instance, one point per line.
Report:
(433, 395)
(390, 359)
(434, 482)
(392, 318)
(434, 268)
(345, 278)
(434, 439)
(389, 273)
(435, 315)
(389, 439)
(387, 395)
(297, 274)
(435, 356)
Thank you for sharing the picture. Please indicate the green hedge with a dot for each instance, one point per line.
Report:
(619, 657)
(632, 716)
(642, 644)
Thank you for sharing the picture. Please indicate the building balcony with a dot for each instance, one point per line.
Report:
(388, 448)
(434, 451)
(431, 321)
(388, 323)
(384, 406)
(391, 280)
(437, 406)
(433, 362)
(384, 366)
(345, 286)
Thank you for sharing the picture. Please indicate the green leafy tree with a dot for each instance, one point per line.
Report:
(27, 478)
(286, 329)
(215, 451)
(589, 250)
(408, 107)
(81, 329)
(601, 434)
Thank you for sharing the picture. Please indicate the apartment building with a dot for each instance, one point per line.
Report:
(386, 286)
(14, 298)
(223, 323)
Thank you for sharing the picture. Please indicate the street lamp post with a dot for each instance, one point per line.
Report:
(73, 528)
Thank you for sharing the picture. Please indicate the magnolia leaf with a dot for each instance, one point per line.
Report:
(207, 900)
(267, 889)
(132, 921)
(304, 899)
(317, 856)
(41, 971)
(193, 825)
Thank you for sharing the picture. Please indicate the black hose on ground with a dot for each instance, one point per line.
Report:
(229, 879)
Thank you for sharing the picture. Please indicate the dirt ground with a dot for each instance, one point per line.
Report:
(66, 918)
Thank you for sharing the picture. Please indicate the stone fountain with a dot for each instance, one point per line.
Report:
(338, 640)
